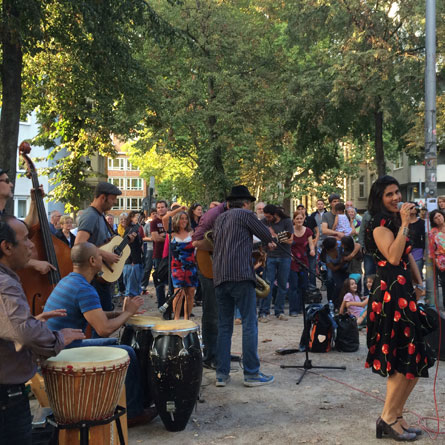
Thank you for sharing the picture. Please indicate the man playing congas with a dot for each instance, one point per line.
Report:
(81, 300)
(22, 336)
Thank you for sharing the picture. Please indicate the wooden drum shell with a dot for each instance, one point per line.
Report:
(79, 393)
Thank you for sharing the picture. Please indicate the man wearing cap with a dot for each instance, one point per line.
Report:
(93, 228)
(234, 279)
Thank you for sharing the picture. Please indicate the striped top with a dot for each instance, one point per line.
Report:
(233, 240)
(77, 296)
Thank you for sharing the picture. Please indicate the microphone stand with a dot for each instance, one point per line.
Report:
(307, 365)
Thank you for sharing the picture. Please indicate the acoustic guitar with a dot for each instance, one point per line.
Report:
(204, 257)
(119, 246)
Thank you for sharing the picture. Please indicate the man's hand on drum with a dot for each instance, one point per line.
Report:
(132, 305)
(44, 316)
(69, 335)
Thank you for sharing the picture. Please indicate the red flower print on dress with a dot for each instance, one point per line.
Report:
(383, 285)
(382, 221)
(408, 250)
(393, 333)
(418, 357)
(394, 352)
(377, 338)
(367, 365)
(401, 279)
(409, 376)
(412, 306)
(372, 349)
(402, 303)
(407, 331)
(376, 365)
(388, 366)
(411, 348)
(397, 316)
(385, 349)
(387, 297)
(381, 263)
(377, 307)
(372, 316)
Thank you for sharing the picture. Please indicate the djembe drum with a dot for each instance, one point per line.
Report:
(176, 371)
(84, 384)
(137, 334)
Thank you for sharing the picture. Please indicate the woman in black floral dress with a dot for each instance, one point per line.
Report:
(397, 349)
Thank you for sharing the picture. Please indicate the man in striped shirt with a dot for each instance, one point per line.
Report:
(234, 281)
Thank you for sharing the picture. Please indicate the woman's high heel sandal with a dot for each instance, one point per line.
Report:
(411, 429)
(383, 428)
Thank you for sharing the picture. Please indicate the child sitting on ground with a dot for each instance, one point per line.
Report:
(342, 222)
(352, 303)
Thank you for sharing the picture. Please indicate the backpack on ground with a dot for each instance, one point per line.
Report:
(318, 328)
(347, 338)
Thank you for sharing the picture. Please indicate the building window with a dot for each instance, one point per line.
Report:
(119, 204)
(21, 208)
(116, 164)
(134, 184)
(131, 167)
(133, 203)
(361, 187)
(118, 182)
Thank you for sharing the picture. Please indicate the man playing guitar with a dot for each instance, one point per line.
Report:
(94, 228)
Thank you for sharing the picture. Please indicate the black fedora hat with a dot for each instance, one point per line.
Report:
(240, 192)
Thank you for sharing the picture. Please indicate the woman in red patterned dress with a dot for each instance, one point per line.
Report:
(395, 337)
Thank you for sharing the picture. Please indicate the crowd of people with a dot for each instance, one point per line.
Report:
(370, 265)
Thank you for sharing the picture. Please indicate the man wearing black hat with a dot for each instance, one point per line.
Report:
(234, 279)
(93, 228)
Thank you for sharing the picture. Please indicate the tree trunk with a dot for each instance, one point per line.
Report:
(218, 181)
(378, 143)
(287, 196)
(11, 75)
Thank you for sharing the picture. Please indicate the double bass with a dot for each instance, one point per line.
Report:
(47, 247)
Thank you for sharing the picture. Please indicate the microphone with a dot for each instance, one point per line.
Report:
(163, 309)
(400, 204)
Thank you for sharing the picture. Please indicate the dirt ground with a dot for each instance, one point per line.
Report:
(328, 406)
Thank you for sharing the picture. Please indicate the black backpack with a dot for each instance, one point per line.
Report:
(347, 338)
(319, 329)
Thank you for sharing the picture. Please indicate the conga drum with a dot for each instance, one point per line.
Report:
(137, 334)
(84, 384)
(176, 371)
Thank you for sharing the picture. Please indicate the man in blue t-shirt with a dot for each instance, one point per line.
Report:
(81, 301)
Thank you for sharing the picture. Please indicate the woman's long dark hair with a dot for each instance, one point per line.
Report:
(375, 200)
(191, 210)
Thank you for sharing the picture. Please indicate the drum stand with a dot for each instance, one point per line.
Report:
(307, 365)
(85, 425)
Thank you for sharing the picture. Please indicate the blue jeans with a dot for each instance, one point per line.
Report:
(209, 318)
(148, 266)
(276, 269)
(132, 279)
(370, 269)
(133, 386)
(237, 313)
(15, 421)
(160, 289)
(242, 294)
(298, 284)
